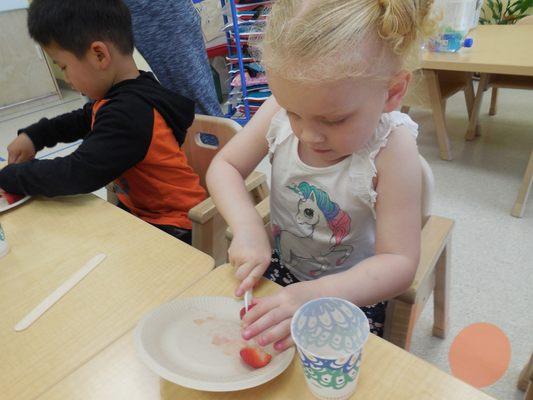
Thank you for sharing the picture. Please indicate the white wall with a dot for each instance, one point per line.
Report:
(7, 5)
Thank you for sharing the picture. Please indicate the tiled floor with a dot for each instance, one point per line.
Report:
(492, 261)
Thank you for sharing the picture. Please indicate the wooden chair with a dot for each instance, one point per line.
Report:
(208, 226)
(521, 200)
(432, 275)
(206, 136)
(525, 381)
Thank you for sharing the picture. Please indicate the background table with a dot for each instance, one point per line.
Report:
(387, 372)
(497, 49)
(52, 239)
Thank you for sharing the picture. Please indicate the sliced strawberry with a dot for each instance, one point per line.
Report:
(243, 310)
(255, 357)
(11, 198)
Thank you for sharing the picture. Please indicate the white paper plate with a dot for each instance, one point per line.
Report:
(13, 205)
(195, 342)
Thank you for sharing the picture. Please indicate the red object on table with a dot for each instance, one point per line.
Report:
(255, 357)
(11, 198)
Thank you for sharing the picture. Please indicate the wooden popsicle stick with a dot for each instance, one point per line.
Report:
(58, 293)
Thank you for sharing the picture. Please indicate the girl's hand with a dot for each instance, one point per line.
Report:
(270, 319)
(250, 253)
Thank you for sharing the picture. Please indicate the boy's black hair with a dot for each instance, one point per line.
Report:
(74, 24)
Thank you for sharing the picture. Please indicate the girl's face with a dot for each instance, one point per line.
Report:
(335, 119)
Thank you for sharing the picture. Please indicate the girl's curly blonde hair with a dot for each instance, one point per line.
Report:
(336, 39)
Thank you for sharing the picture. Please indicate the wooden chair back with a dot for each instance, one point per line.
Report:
(428, 187)
(206, 136)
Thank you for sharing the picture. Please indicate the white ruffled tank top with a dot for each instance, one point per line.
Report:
(323, 219)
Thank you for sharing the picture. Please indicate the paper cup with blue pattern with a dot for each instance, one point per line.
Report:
(329, 334)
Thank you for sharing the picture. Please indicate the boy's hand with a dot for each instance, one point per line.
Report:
(21, 149)
(270, 319)
(250, 253)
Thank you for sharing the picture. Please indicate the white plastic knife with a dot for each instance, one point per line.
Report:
(247, 300)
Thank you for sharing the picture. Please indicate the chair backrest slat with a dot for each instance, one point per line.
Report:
(206, 136)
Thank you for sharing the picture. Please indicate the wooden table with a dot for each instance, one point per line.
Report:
(387, 372)
(52, 239)
(497, 49)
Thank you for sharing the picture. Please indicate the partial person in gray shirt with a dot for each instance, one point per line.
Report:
(168, 34)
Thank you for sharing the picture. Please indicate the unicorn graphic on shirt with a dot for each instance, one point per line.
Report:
(317, 217)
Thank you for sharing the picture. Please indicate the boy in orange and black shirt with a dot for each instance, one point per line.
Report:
(132, 131)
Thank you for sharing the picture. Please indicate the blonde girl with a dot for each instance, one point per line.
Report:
(345, 191)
